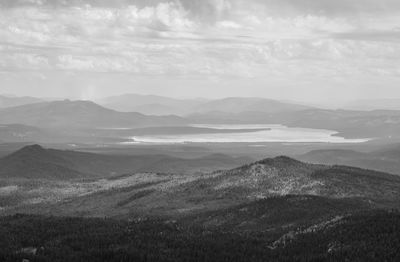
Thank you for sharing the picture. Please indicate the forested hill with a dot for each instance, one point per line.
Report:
(365, 236)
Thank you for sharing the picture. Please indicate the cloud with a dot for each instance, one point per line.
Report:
(371, 35)
(220, 6)
(277, 41)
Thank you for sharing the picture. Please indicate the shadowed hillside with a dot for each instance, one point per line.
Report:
(276, 212)
(36, 162)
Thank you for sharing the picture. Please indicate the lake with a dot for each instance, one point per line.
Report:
(270, 133)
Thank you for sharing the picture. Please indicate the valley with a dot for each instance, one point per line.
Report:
(285, 183)
(199, 131)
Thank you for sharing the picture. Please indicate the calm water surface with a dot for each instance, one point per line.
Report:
(272, 133)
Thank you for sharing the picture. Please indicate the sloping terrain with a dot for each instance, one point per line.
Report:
(10, 101)
(365, 236)
(385, 160)
(276, 212)
(80, 114)
(150, 104)
(283, 176)
(242, 105)
(181, 195)
(36, 162)
(276, 209)
(158, 105)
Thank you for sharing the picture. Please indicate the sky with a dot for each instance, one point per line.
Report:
(310, 50)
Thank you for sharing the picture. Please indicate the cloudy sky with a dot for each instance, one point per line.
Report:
(308, 50)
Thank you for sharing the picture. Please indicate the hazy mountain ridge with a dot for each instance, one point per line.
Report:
(241, 105)
(85, 115)
(150, 104)
(349, 123)
(12, 101)
(158, 105)
(80, 114)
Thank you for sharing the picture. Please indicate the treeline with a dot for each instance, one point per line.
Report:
(367, 236)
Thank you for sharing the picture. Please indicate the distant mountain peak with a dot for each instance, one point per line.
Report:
(34, 147)
(35, 162)
(280, 161)
(34, 153)
(31, 149)
(74, 103)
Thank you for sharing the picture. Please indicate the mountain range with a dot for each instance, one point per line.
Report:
(158, 105)
(374, 122)
(80, 114)
(241, 105)
(150, 104)
(181, 196)
(377, 124)
(276, 207)
(285, 176)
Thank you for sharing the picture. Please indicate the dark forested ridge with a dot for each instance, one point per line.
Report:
(363, 236)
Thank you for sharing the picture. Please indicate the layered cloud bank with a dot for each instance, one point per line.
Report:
(315, 44)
